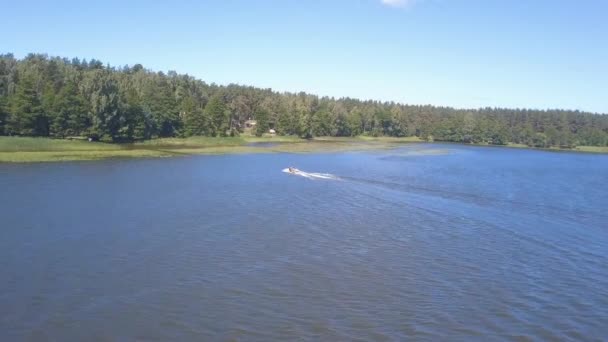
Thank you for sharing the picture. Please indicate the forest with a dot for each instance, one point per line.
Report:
(66, 98)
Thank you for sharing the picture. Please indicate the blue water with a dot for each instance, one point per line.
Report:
(426, 242)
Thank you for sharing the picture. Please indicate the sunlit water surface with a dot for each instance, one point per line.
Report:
(426, 241)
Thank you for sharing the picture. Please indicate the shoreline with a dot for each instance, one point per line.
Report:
(32, 150)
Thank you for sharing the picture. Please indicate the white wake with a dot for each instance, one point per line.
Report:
(312, 175)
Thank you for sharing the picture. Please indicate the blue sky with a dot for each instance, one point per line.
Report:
(462, 53)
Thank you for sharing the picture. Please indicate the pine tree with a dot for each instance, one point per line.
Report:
(27, 115)
(65, 97)
(49, 107)
(218, 116)
(321, 122)
(105, 107)
(196, 123)
(3, 114)
(161, 102)
(261, 117)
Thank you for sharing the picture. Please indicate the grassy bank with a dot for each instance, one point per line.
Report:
(23, 149)
(24, 144)
(592, 149)
(585, 149)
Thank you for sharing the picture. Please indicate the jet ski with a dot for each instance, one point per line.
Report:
(293, 170)
(310, 175)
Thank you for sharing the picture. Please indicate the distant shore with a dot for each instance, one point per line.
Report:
(27, 150)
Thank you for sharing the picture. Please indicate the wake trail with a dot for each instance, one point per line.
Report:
(313, 175)
(485, 200)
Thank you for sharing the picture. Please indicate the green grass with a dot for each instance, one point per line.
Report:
(52, 156)
(518, 145)
(271, 138)
(22, 144)
(21, 149)
(203, 142)
(190, 142)
(24, 149)
(586, 149)
(592, 149)
(390, 139)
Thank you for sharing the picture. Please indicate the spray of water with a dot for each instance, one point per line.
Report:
(312, 175)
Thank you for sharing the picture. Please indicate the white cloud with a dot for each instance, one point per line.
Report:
(398, 3)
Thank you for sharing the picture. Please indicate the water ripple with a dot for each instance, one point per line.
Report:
(463, 246)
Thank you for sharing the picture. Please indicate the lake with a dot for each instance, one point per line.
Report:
(427, 242)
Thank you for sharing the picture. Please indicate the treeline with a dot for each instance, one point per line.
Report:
(58, 97)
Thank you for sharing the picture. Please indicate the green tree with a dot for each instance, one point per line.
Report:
(71, 112)
(161, 103)
(196, 123)
(539, 140)
(498, 134)
(261, 117)
(593, 136)
(287, 122)
(28, 117)
(133, 124)
(322, 122)
(218, 116)
(41, 95)
(524, 134)
(340, 124)
(3, 114)
(105, 107)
